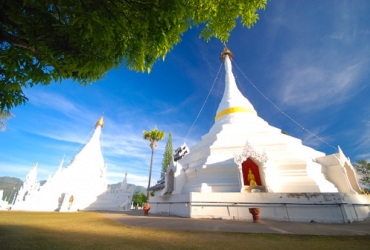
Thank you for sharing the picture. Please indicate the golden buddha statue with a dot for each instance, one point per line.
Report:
(251, 178)
(71, 199)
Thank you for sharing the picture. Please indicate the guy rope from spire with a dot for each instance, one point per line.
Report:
(290, 118)
(205, 101)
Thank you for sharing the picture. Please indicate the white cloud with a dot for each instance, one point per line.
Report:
(321, 63)
(316, 138)
(20, 170)
(173, 109)
(69, 121)
(57, 102)
(363, 142)
(124, 145)
(138, 180)
(319, 87)
(17, 170)
(365, 156)
(67, 135)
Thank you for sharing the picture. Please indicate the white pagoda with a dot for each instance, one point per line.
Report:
(82, 185)
(243, 162)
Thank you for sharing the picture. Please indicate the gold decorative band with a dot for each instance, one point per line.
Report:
(234, 110)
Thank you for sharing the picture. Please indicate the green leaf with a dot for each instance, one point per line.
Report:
(83, 40)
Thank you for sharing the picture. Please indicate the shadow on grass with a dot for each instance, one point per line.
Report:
(24, 230)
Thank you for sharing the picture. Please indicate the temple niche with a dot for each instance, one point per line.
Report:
(251, 171)
(244, 162)
(81, 186)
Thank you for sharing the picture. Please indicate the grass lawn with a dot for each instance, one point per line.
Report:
(36, 230)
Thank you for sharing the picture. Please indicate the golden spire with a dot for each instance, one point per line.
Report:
(233, 102)
(100, 122)
(226, 52)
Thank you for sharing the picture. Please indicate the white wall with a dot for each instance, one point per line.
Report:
(298, 207)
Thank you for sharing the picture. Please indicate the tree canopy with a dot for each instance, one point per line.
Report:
(51, 40)
(4, 115)
(363, 169)
(153, 136)
(138, 199)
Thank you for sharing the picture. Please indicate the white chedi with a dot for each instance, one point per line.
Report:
(239, 133)
(82, 185)
(243, 160)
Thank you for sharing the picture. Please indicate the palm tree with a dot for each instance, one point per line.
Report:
(153, 136)
(4, 115)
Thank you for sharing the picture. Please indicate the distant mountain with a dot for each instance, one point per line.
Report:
(10, 185)
(130, 187)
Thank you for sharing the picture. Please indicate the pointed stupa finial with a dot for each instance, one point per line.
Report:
(233, 102)
(226, 52)
(100, 122)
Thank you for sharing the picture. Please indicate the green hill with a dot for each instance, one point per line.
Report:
(130, 187)
(10, 185)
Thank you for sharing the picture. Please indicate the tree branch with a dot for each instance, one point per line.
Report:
(19, 42)
(59, 14)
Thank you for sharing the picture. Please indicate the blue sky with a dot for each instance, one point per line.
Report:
(311, 58)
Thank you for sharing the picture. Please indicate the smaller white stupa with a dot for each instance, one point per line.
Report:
(243, 162)
(82, 185)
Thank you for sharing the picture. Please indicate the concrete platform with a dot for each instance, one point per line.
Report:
(136, 218)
